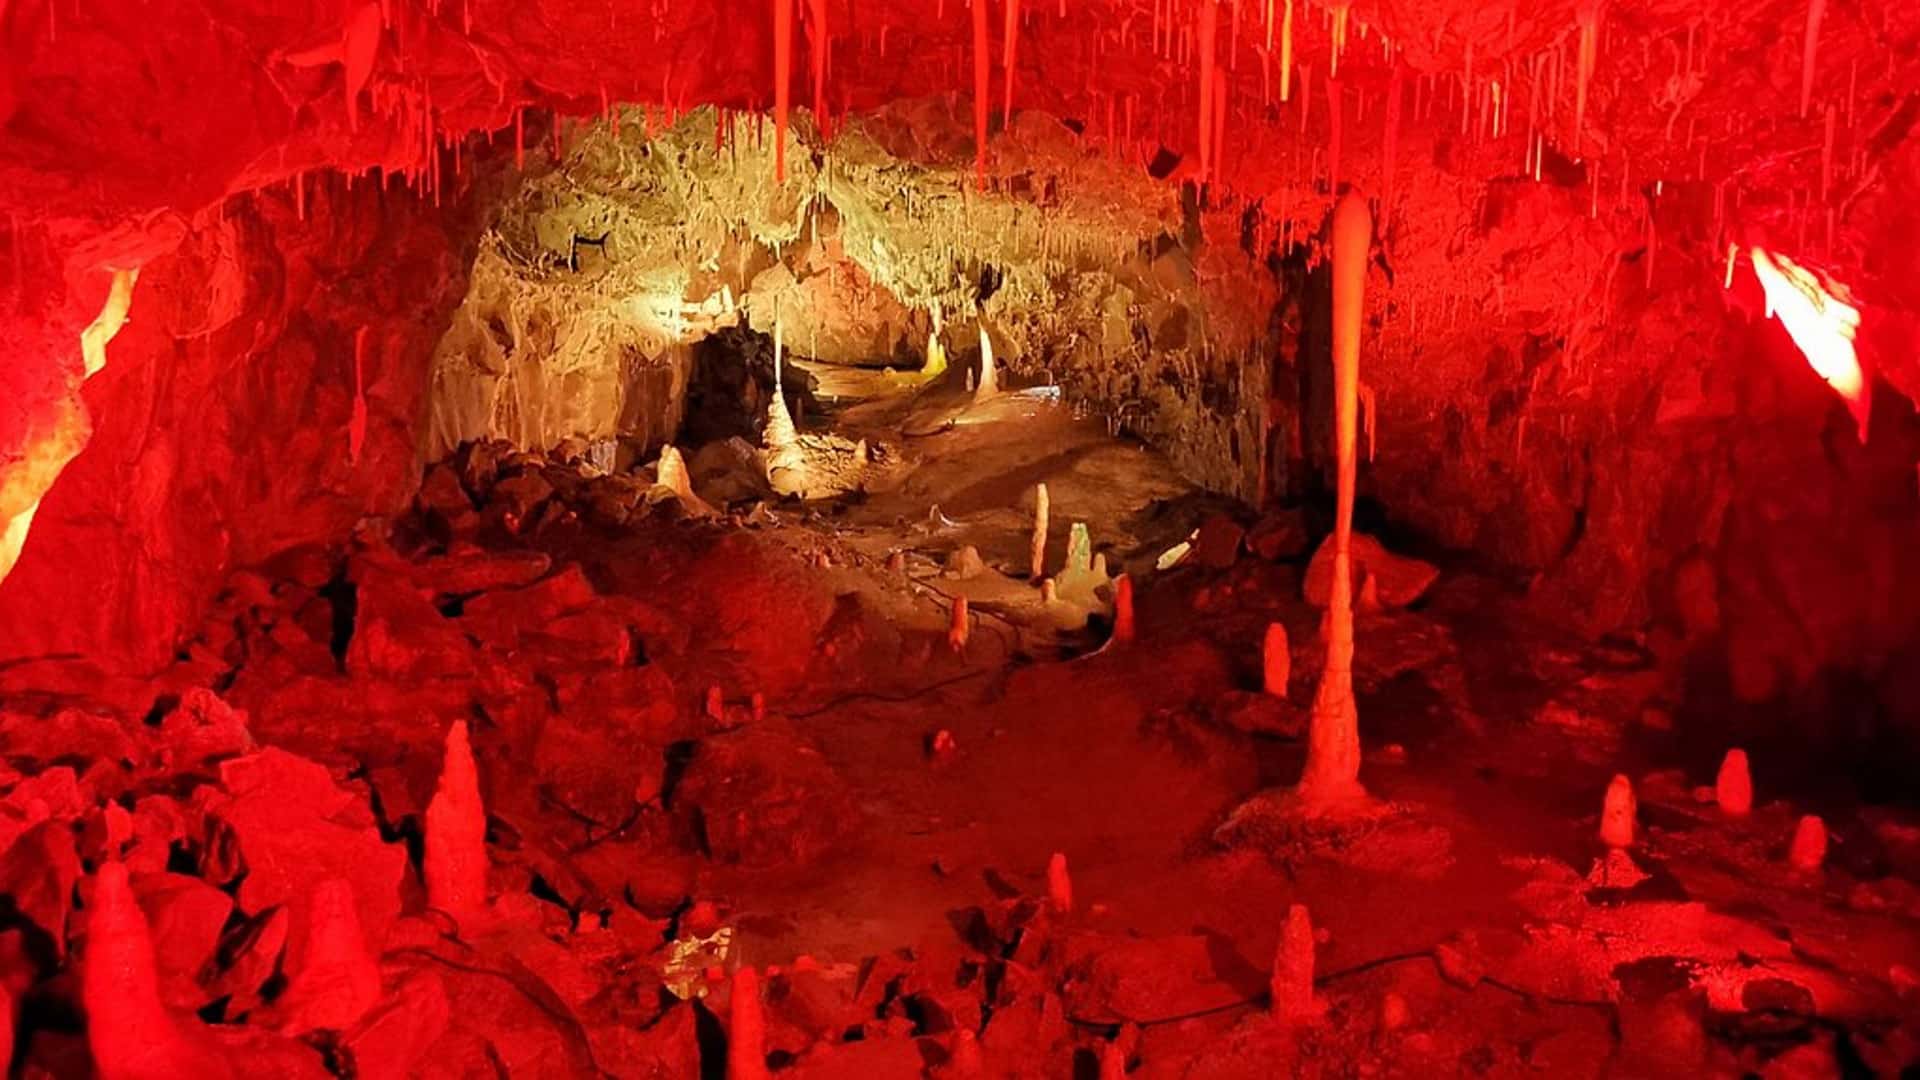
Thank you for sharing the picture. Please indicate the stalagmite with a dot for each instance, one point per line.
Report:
(747, 1023)
(1809, 848)
(1059, 885)
(1332, 773)
(1809, 51)
(1113, 1062)
(982, 65)
(1123, 609)
(1037, 547)
(782, 83)
(1276, 661)
(1733, 788)
(456, 843)
(671, 472)
(1291, 982)
(958, 626)
(1617, 814)
(129, 1031)
(989, 384)
(964, 1058)
(338, 980)
(936, 357)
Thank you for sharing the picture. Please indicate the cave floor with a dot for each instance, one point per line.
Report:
(889, 807)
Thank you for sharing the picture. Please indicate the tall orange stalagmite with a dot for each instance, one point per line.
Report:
(1332, 773)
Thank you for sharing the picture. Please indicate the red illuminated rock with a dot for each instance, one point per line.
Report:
(129, 1030)
(293, 828)
(763, 796)
(456, 844)
(393, 1041)
(1398, 580)
(186, 916)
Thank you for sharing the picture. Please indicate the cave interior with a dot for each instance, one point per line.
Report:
(959, 538)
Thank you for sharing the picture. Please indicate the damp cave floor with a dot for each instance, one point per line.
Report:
(1491, 735)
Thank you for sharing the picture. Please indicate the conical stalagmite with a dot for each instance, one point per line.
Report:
(1733, 787)
(1617, 814)
(1291, 984)
(958, 625)
(1059, 885)
(1276, 661)
(1809, 848)
(1332, 773)
(456, 843)
(746, 1029)
(338, 979)
(989, 384)
(1037, 547)
(129, 1031)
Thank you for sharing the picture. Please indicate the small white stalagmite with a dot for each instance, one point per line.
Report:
(989, 383)
(1038, 546)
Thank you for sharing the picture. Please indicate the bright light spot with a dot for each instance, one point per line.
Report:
(1818, 317)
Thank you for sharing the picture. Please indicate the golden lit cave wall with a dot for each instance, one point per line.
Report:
(559, 339)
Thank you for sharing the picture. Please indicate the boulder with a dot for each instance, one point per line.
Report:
(1399, 579)
(763, 796)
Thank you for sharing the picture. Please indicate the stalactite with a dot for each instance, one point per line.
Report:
(1809, 53)
(1286, 52)
(782, 83)
(1009, 51)
(1340, 12)
(1334, 136)
(357, 424)
(1332, 770)
(981, 78)
(820, 44)
(1589, 21)
(1209, 28)
(1390, 150)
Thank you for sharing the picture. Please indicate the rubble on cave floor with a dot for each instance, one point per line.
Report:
(713, 743)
